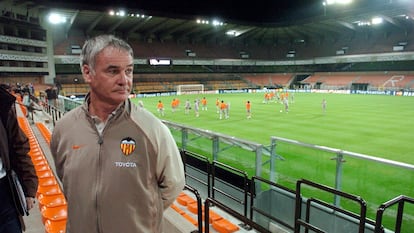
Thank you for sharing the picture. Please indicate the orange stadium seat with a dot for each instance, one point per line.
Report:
(55, 226)
(184, 199)
(190, 219)
(35, 150)
(40, 162)
(193, 207)
(57, 213)
(37, 158)
(47, 181)
(48, 190)
(42, 167)
(44, 174)
(177, 209)
(213, 217)
(51, 200)
(225, 226)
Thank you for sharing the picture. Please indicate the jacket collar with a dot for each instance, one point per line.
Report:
(123, 107)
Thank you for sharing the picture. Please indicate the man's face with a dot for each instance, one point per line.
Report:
(112, 81)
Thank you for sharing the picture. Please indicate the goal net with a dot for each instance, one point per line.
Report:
(190, 89)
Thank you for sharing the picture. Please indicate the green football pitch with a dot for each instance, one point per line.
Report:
(375, 125)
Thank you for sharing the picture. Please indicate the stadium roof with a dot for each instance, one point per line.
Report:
(265, 22)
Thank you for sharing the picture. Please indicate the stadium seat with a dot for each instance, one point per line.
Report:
(184, 214)
(177, 209)
(51, 200)
(35, 151)
(57, 213)
(225, 226)
(193, 207)
(40, 162)
(190, 219)
(47, 181)
(41, 168)
(36, 158)
(184, 199)
(44, 174)
(213, 216)
(55, 226)
(48, 190)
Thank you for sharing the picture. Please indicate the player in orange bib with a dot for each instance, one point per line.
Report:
(248, 109)
(160, 108)
(204, 104)
(223, 110)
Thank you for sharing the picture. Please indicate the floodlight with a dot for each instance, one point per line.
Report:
(331, 2)
(217, 23)
(377, 20)
(55, 18)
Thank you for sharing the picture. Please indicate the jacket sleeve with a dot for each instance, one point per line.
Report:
(20, 161)
(170, 169)
(58, 160)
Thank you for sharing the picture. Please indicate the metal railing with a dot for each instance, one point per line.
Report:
(199, 207)
(245, 187)
(400, 200)
(254, 209)
(306, 224)
(360, 220)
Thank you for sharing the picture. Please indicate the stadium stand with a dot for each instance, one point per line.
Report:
(270, 80)
(374, 80)
(30, 55)
(52, 203)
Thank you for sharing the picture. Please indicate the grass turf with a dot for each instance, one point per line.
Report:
(375, 125)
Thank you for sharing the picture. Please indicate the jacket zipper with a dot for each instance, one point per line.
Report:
(100, 141)
(99, 175)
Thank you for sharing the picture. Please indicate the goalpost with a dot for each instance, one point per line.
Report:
(190, 89)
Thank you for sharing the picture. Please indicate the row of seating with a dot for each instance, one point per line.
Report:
(166, 82)
(376, 80)
(354, 45)
(218, 222)
(270, 79)
(52, 202)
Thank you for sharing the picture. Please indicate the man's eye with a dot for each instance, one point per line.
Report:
(128, 71)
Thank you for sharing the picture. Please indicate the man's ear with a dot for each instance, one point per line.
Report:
(87, 73)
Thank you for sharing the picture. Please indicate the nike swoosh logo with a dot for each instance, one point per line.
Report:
(75, 147)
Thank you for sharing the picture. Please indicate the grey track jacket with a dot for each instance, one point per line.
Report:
(121, 181)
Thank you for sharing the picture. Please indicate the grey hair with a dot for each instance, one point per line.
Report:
(95, 45)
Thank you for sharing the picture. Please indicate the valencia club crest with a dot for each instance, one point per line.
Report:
(127, 146)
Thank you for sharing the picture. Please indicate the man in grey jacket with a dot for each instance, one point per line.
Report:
(119, 165)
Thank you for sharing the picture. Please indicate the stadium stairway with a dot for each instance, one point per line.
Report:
(33, 221)
(49, 214)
